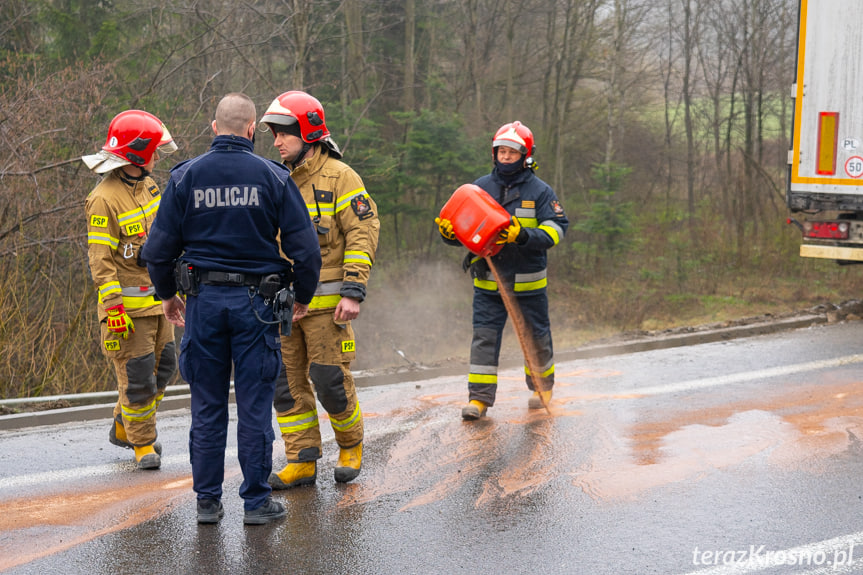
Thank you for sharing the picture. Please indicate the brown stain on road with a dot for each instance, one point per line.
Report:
(428, 463)
(506, 457)
(35, 527)
(526, 475)
(811, 410)
(436, 458)
(802, 423)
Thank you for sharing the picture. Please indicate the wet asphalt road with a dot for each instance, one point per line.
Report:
(669, 461)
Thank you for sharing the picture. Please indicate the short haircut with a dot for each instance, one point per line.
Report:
(234, 113)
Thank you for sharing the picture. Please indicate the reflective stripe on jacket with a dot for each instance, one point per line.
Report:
(119, 216)
(542, 217)
(346, 220)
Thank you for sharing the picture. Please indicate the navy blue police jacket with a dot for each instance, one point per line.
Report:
(223, 210)
(541, 215)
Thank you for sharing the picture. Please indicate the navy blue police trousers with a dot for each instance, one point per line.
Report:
(221, 330)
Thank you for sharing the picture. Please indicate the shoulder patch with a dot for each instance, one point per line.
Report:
(154, 190)
(98, 221)
(556, 208)
(362, 207)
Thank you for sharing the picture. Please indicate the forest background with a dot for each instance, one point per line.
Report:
(661, 124)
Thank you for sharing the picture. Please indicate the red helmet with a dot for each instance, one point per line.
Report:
(134, 136)
(517, 136)
(296, 107)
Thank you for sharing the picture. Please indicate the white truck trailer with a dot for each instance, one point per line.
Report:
(825, 162)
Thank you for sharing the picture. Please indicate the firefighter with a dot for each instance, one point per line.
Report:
(221, 215)
(135, 335)
(321, 346)
(538, 222)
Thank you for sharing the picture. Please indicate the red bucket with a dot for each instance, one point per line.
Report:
(476, 218)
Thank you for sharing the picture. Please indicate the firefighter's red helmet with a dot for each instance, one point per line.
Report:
(298, 107)
(517, 136)
(135, 135)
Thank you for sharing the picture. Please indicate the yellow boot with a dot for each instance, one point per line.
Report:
(117, 436)
(147, 457)
(294, 475)
(539, 400)
(350, 462)
(473, 410)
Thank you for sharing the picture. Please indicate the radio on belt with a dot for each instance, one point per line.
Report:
(476, 219)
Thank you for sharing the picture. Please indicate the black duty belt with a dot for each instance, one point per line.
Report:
(229, 279)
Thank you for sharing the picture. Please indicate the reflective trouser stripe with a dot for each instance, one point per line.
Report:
(294, 423)
(143, 413)
(482, 378)
(345, 424)
(545, 373)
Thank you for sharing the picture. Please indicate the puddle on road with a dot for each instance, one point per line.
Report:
(804, 423)
(685, 453)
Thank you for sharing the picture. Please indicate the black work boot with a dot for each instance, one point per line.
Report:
(269, 511)
(210, 511)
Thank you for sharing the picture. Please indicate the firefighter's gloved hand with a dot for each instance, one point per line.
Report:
(512, 233)
(445, 228)
(119, 322)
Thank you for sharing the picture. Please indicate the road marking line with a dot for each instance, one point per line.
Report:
(63, 475)
(748, 375)
(805, 555)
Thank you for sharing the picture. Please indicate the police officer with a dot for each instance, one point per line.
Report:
(538, 223)
(134, 333)
(321, 346)
(220, 217)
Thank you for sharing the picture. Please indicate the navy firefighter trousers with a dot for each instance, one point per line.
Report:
(489, 319)
(221, 326)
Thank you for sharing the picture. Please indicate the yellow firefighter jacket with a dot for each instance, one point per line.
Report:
(346, 219)
(119, 215)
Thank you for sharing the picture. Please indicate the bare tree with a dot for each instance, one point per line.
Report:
(570, 35)
(625, 66)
